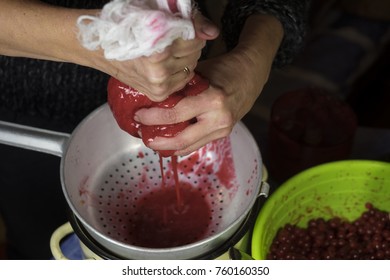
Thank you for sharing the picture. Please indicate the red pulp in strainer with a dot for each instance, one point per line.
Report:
(160, 223)
(138, 205)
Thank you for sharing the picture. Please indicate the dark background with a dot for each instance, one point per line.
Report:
(347, 54)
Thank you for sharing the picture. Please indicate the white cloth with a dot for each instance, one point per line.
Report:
(127, 29)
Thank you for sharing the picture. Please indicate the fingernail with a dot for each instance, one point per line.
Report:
(136, 118)
(209, 28)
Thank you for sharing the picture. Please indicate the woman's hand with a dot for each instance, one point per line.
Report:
(38, 30)
(237, 79)
(161, 74)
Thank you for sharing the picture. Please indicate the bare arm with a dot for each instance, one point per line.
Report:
(37, 30)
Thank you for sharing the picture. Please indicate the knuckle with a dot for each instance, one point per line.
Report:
(160, 88)
(225, 132)
(226, 121)
(154, 81)
(170, 115)
(158, 76)
(159, 57)
(180, 146)
(218, 99)
(201, 44)
(157, 95)
(181, 143)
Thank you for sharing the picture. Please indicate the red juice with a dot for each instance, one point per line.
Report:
(159, 221)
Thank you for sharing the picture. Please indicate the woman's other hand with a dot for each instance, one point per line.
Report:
(236, 80)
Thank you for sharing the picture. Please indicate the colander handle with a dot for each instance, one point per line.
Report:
(32, 138)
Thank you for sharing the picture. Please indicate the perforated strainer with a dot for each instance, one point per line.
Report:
(107, 173)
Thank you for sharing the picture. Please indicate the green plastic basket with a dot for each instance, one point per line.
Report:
(340, 188)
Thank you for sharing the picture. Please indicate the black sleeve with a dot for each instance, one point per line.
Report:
(291, 13)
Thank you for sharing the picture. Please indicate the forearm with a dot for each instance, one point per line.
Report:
(260, 40)
(291, 13)
(242, 72)
(36, 30)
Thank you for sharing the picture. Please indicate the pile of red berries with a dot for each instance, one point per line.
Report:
(366, 238)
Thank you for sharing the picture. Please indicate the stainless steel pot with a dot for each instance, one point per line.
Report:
(102, 168)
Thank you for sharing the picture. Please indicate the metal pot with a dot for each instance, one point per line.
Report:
(62, 239)
(104, 171)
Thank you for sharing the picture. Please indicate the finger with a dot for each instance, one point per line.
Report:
(160, 91)
(154, 73)
(204, 28)
(189, 140)
(181, 48)
(184, 73)
(184, 110)
(171, 66)
(163, 79)
(202, 142)
(159, 57)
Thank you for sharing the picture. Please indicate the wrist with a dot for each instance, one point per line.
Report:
(70, 49)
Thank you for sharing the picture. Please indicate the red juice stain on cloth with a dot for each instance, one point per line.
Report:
(173, 6)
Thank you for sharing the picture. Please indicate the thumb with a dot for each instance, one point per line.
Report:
(204, 28)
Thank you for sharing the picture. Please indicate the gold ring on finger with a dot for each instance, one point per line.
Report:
(187, 70)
